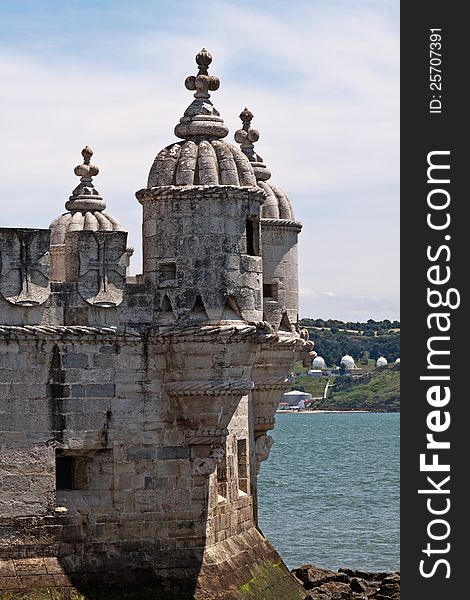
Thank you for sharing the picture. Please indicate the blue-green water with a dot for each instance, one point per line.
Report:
(329, 492)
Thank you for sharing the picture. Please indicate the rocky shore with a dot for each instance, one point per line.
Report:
(347, 584)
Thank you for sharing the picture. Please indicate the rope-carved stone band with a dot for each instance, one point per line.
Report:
(63, 331)
(197, 191)
(217, 388)
(285, 223)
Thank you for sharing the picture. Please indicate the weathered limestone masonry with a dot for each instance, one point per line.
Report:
(134, 411)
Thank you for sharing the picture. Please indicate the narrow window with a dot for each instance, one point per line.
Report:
(252, 236)
(242, 466)
(222, 480)
(64, 473)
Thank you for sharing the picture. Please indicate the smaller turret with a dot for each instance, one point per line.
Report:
(85, 213)
(279, 232)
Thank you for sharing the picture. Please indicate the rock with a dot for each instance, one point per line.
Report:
(337, 590)
(347, 584)
(357, 585)
(389, 588)
(312, 577)
(368, 576)
(318, 594)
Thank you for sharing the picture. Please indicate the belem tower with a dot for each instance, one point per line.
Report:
(135, 410)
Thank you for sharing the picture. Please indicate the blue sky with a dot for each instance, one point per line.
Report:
(321, 77)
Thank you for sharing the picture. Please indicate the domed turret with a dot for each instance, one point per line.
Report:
(381, 361)
(85, 212)
(348, 362)
(279, 233)
(201, 222)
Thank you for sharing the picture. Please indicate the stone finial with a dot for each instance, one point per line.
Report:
(85, 196)
(201, 120)
(202, 82)
(245, 137)
(86, 170)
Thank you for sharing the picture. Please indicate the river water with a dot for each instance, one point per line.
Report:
(329, 492)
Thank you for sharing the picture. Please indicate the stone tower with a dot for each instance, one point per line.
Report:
(135, 411)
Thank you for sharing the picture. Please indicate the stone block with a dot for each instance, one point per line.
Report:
(30, 566)
(31, 582)
(53, 566)
(75, 361)
(10, 583)
(137, 453)
(173, 453)
(6, 568)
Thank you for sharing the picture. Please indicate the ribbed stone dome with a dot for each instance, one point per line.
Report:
(276, 205)
(85, 206)
(202, 158)
(201, 162)
(79, 221)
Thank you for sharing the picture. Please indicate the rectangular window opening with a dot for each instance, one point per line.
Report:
(242, 466)
(167, 271)
(252, 236)
(64, 473)
(83, 469)
(270, 291)
(222, 483)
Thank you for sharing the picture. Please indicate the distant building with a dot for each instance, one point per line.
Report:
(315, 373)
(295, 399)
(348, 362)
(381, 361)
(318, 363)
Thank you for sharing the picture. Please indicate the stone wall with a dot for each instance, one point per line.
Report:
(280, 273)
(198, 254)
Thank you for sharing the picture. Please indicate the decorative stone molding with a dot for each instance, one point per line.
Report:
(24, 266)
(102, 265)
(206, 466)
(205, 437)
(163, 192)
(264, 421)
(283, 223)
(63, 332)
(263, 446)
(208, 388)
(210, 333)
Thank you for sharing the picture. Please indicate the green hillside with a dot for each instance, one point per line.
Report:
(380, 393)
(378, 389)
